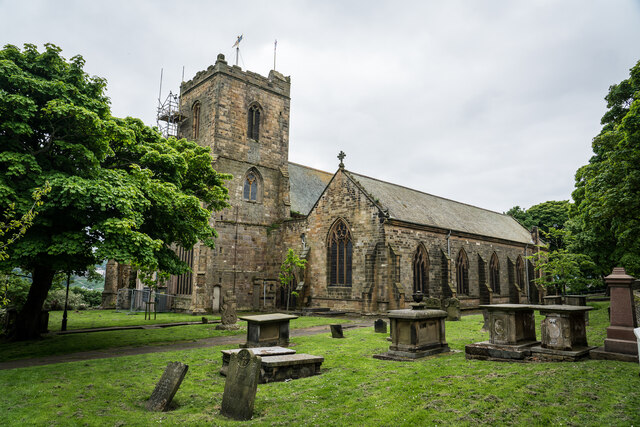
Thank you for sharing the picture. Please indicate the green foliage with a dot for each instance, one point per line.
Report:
(13, 290)
(605, 219)
(291, 264)
(563, 270)
(91, 297)
(545, 216)
(119, 190)
(55, 300)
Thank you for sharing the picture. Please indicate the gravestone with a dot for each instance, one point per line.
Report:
(380, 326)
(452, 307)
(167, 387)
(241, 385)
(229, 315)
(336, 331)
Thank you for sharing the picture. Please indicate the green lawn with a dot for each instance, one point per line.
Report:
(354, 388)
(53, 344)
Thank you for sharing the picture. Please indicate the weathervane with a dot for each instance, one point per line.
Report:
(341, 156)
(237, 46)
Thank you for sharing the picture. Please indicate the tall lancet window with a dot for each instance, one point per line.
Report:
(196, 120)
(340, 250)
(494, 274)
(253, 127)
(462, 273)
(421, 271)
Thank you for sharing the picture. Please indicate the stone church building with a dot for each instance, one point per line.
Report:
(369, 244)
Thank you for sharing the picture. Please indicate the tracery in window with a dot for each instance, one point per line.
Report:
(340, 250)
(251, 186)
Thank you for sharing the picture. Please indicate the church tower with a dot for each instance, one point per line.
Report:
(243, 118)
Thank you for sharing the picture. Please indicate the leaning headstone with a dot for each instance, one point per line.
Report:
(241, 385)
(167, 387)
(336, 331)
(229, 315)
(380, 326)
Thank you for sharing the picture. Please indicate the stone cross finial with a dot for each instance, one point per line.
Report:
(341, 156)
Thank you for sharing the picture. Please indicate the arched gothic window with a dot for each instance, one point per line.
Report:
(462, 273)
(253, 126)
(421, 271)
(251, 186)
(520, 273)
(340, 248)
(196, 120)
(494, 274)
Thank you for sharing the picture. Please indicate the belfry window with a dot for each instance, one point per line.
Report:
(340, 250)
(196, 120)
(421, 271)
(494, 274)
(462, 273)
(251, 187)
(253, 126)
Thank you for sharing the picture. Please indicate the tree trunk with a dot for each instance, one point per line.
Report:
(27, 326)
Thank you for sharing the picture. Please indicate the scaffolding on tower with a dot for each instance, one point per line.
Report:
(169, 116)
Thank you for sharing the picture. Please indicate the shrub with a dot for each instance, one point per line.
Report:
(92, 297)
(55, 300)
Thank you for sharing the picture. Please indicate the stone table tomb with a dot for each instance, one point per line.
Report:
(267, 330)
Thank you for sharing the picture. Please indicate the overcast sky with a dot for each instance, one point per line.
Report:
(491, 103)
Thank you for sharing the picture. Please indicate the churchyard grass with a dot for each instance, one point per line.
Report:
(53, 344)
(354, 388)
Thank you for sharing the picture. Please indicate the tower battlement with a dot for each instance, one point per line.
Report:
(275, 82)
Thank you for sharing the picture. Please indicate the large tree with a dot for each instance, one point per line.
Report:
(606, 218)
(546, 216)
(118, 188)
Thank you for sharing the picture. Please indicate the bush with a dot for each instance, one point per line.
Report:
(55, 300)
(14, 290)
(92, 297)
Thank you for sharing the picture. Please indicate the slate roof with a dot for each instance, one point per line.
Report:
(305, 186)
(417, 207)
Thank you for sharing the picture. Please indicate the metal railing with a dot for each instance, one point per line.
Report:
(135, 300)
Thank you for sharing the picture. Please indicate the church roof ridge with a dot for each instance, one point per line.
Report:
(309, 167)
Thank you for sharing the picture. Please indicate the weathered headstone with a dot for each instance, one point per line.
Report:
(167, 387)
(380, 326)
(336, 331)
(452, 307)
(229, 315)
(241, 385)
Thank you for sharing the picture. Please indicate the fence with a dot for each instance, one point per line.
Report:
(135, 300)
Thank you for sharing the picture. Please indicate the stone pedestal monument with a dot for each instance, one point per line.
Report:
(620, 343)
(416, 332)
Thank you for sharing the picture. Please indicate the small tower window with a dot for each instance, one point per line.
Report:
(196, 121)
(253, 128)
(251, 187)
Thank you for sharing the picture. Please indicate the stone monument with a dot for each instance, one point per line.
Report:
(380, 326)
(415, 333)
(241, 385)
(167, 387)
(336, 331)
(452, 307)
(620, 343)
(229, 315)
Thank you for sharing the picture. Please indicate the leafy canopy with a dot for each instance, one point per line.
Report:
(606, 217)
(118, 188)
